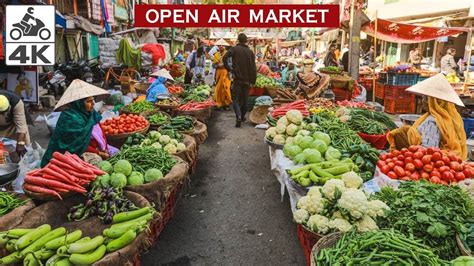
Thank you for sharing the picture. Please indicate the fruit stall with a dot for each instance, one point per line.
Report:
(355, 199)
(77, 211)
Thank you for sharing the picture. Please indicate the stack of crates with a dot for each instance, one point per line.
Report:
(399, 101)
(402, 79)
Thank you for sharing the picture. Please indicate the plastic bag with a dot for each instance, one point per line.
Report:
(362, 97)
(108, 115)
(115, 98)
(29, 162)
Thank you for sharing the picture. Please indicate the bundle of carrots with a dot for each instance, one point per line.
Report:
(175, 89)
(64, 173)
(296, 105)
(194, 106)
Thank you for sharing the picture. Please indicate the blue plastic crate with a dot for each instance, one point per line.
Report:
(420, 79)
(468, 126)
(400, 79)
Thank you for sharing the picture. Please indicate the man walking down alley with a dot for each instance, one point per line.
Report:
(244, 71)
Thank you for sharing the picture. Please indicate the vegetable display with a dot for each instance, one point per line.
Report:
(171, 101)
(196, 94)
(467, 236)
(180, 123)
(352, 104)
(175, 89)
(9, 202)
(431, 164)
(145, 158)
(342, 135)
(295, 106)
(339, 205)
(366, 121)
(265, 82)
(430, 212)
(158, 119)
(64, 173)
(103, 202)
(384, 247)
(139, 107)
(172, 133)
(193, 106)
(365, 157)
(124, 123)
(286, 127)
(155, 139)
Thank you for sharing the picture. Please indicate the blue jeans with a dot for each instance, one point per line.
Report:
(240, 94)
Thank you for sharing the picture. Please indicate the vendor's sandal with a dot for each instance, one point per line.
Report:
(238, 123)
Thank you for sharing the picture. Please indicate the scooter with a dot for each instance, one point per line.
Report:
(56, 85)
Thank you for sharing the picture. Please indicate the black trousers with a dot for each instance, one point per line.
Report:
(240, 95)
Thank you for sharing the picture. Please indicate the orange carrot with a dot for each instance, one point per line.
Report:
(52, 184)
(42, 190)
(62, 172)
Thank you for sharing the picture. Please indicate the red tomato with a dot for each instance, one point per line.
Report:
(447, 176)
(436, 156)
(388, 160)
(428, 168)
(435, 173)
(408, 154)
(453, 157)
(435, 180)
(422, 150)
(406, 178)
(468, 173)
(430, 150)
(446, 160)
(399, 171)
(403, 150)
(392, 175)
(380, 164)
(460, 176)
(439, 163)
(426, 159)
(444, 169)
(385, 169)
(410, 167)
(401, 158)
(400, 163)
(415, 176)
(418, 163)
(444, 182)
(417, 155)
(455, 166)
(395, 152)
(408, 160)
(413, 148)
(391, 165)
(425, 175)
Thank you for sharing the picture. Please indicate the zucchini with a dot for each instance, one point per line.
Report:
(88, 258)
(122, 241)
(32, 236)
(43, 240)
(63, 240)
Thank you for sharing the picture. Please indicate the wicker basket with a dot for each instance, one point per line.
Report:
(326, 241)
(119, 139)
(202, 115)
(462, 248)
(271, 92)
(141, 87)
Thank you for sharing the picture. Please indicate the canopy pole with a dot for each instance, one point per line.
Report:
(467, 54)
(375, 58)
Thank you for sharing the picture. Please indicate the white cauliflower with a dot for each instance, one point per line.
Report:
(331, 186)
(366, 224)
(337, 214)
(468, 186)
(377, 208)
(313, 204)
(318, 223)
(301, 216)
(352, 180)
(341, 225)
(354, 201)
(315, 191)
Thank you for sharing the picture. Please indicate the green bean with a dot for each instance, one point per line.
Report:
(139, 107)
(9, 202)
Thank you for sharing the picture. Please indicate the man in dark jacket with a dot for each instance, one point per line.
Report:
(244, 71)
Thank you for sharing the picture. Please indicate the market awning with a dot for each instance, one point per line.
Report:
(290, 43)
(406, 33)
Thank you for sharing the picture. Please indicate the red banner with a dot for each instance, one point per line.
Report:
(246, 16)
(406, 33)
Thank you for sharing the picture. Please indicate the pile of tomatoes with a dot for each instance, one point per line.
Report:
(431, 164)
(125, 123)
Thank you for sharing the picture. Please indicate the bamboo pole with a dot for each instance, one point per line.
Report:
(374, 81)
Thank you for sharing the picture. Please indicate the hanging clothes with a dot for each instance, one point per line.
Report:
(156, 50)
(128, 55)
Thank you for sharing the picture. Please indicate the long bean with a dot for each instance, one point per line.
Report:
(342, 136)
(146, 157)
(8, 202)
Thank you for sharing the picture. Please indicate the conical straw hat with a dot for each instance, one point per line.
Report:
(292, 61)
(437, 87)
(162, 73)
(221, 42)
(77, 90)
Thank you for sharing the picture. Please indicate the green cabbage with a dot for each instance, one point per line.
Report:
(106, 167)
(291, 129)
(135, 179)
(294, 116)
(322, 136)
(300, 159)
(123, 167)
(306, 142)
(332, 153)
(319, 145)
(118, 180)
(312, 156)
(289, 141)
(153, 174)
(291, 151)
(103, 180)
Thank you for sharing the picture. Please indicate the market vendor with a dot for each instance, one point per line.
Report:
(310, 83)
(195, 65)
(13, 120)
(442, 126)
(288, 74)
(158, 87)
(222, 95)
(74, 129)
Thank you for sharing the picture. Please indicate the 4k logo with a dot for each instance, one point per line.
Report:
(30, 35)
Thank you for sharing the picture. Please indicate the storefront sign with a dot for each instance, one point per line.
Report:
(250, 16)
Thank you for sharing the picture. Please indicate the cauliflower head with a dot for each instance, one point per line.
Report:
(331, 187)
(366, 224)
(318, 223)
(337, 214)
(377, 208)
(353, 201)
(315, 191)
(301, 216)
(312, 204)
(352, 180)
(341, 225)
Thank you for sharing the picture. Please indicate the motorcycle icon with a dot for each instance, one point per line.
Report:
(29, 26)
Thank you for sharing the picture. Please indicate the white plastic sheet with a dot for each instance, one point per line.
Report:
(379, 181)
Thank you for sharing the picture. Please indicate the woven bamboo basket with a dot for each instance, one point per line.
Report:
(119, 139)
(141, 87)
(326, 241)
(271, 92)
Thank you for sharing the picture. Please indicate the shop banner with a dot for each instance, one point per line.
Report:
(406, 33)
(248, 16)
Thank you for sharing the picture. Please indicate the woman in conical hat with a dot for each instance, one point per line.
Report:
(442, 126)
(77, 129)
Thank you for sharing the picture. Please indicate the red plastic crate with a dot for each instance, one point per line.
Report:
(379, 90)
(307, 240)
(396, 92)
(400, 105)
(256, 91)
(341, 94)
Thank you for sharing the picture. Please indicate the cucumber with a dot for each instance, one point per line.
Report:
(88, 258)
(134, 221)
(11, 245)
(10, 259)
(17, 233)
(117, 232)
(32, 236)
(30, 260)
(130, 215)
(83, 247)
(52, 260)
(44, 254)
(63, 240)
(122, 241)
(38, 244)
(3, 239)
(63, 262)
